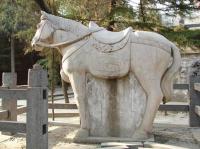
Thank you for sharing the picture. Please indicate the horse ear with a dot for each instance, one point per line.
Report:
(43, 15)
(43, 12)
(92, 24)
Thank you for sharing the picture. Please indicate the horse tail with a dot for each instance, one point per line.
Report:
(167, 79)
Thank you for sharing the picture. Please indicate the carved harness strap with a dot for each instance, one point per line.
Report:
(108, 48)
(105, 41)
(98, 44)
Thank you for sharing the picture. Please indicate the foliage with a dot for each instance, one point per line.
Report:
(51, 62)
(168, 7)
(102, 12)
(18, 17)
(149, 18)
(180, 7)
(183, 37)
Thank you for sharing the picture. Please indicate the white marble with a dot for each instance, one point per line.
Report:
(118, 78)
(114, 107)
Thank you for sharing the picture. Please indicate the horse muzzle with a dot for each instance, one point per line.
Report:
(33, 42)
(35, 46)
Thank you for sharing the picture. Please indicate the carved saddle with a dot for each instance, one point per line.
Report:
(106, 41)
(110, 56)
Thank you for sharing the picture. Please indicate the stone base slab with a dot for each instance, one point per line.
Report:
(95, 140)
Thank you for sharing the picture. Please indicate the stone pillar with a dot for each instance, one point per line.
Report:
(37, 109)
(194, 120)
(9, 80)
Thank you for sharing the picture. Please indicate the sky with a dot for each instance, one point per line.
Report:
(135, 3)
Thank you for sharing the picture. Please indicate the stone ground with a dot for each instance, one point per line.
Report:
(171, 129)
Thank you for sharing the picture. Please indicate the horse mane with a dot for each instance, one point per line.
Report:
(66, 24)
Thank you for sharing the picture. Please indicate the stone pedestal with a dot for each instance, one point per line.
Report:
(115, 108)
(9, 80)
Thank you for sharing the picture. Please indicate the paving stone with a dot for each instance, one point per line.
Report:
(116, 147)
(161, 146)
(129, 144)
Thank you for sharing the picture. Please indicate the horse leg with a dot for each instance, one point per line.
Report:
(77, 80)
(154, 97)
(149, 66)
(64, 76)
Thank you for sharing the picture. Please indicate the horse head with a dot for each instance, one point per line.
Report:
(44, 33)
(56, 32)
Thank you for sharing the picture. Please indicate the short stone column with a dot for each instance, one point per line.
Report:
(194, 120)
(9, 80)
(37, 109)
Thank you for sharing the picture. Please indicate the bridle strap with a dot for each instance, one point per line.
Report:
(65, 43)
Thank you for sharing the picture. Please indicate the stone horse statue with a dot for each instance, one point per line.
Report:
(149, 57)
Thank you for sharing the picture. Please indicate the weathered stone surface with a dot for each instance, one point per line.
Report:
(115, 106)
(161, 146)
(9, 79)
(117, 147)
(37, 77)
(72, 137)
(196, 135)
(127, 144)
(37, 109)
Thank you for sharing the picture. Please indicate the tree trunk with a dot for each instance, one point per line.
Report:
(52, 6)
(43, 5)
(65, 88)
(142, 11)
(12, 53)
(164, 102)
(111, 23)
(52, 83)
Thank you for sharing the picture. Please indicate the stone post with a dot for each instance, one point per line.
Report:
(194, 120)
(37, 109)
(9, 80)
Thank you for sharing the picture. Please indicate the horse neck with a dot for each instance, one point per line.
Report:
(60, 36)
(68, 25)
(68, 30)
(77, 28)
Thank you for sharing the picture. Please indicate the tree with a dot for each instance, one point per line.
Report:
(169, 7)
(149, 11)
(112, 14)
(16, 22)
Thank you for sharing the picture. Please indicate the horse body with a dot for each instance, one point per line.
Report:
(109, 66)
(117, 64)
(149, 56)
